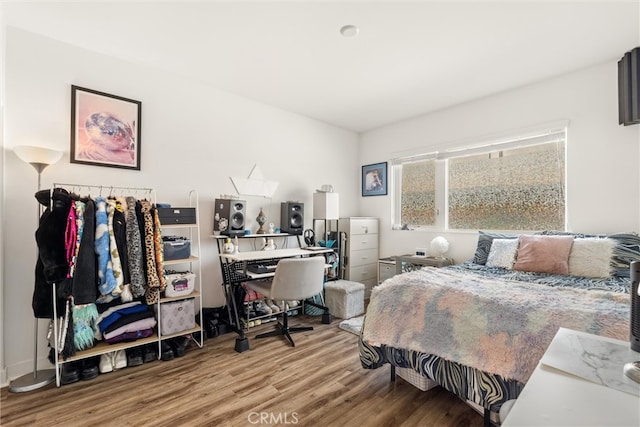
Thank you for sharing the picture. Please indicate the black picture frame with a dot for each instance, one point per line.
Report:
(105, 129)
(374, 179)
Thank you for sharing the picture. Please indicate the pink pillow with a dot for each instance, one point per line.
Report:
(544, 254)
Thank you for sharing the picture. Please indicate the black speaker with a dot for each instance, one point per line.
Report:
(629, 88)
(292, 217)
(229, 217)
(634, 337)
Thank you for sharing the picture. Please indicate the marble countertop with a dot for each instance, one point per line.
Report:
(594, 358)
(579, 382)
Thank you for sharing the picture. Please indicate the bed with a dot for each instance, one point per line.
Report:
(479, 328)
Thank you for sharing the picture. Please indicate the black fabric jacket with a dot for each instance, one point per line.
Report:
(51, 266)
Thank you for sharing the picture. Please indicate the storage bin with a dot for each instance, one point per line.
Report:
(168, 216)
(177, 316)
(415, 379)
(344, 299)
(176, 247)
(179, 284)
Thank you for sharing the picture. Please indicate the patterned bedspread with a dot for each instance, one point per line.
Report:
(481, 336)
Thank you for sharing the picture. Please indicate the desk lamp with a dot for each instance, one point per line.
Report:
(439, 246)
(39, 158)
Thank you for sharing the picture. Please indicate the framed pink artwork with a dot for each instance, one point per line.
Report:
(105, 129)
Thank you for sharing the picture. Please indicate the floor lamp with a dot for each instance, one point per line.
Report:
(39, 158)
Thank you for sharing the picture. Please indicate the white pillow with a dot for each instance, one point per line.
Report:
(591, 257)
(502, 253)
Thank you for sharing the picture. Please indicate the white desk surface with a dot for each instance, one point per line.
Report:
(553, 397)
(253, 236)
(276, 253)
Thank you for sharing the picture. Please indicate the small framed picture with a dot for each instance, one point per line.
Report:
(105, 129)
(374, 179)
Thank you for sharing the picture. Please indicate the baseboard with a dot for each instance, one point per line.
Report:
(19, 369)
(4, 381)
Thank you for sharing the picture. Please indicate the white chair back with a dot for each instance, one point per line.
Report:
(298, 278)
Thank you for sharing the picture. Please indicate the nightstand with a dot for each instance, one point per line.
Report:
(386, 268)
(405, 263)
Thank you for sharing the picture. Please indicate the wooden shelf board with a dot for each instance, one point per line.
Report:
(181, 261)
(197, 328)
(102, 347)
(194, 294)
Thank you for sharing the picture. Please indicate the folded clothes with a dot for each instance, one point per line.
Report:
(131, 336)
(129, 318)
(118, 314)
(105, 310)
(132, 327)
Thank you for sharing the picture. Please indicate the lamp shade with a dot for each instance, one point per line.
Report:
(31, 154)
(439, 246)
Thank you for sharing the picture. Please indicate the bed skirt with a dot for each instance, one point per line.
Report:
(487, 390)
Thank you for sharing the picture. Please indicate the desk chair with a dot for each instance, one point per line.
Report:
(294, 279)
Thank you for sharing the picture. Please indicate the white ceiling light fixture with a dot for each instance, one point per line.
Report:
(349, 31)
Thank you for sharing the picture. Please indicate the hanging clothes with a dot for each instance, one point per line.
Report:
(152, 293)
(114, 255)
(85, 280)
(51, 265)
(134, 250)
(85, 277)
(159, 248)
(84, 248)
(120, 235)
(105, 268)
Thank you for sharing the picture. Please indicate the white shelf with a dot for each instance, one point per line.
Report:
(194, 294)
(192, 258)
(273, 254)
(251, 236)
(179, 225)
(102, 347)
(194, 264)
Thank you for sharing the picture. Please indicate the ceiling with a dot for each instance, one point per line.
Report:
(409, 58)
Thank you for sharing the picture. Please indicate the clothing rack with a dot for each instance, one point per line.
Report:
(76, 188)
(111, 188)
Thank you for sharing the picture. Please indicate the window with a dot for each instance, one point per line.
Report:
(512, 184)
(418, 197)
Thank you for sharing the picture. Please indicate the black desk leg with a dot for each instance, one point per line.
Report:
(326, 316)
(242, 342)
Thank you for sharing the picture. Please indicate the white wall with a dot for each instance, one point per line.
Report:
(602, 170)
(193, 137)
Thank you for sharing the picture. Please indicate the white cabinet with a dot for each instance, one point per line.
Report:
(361, 252)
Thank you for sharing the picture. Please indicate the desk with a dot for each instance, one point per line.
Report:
(553, 397)
(234, 272)
(273, 254)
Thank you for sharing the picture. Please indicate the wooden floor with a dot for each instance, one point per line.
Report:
(320, 382)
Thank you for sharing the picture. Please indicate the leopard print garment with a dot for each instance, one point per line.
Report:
(134, 250)
(159, 246)
(152, 294)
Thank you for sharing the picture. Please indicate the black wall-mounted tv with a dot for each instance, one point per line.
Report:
(629, 88)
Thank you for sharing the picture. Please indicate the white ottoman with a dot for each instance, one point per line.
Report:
(344, 299)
